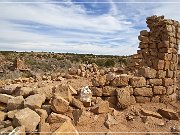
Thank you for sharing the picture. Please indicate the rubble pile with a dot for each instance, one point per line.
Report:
(84, 70)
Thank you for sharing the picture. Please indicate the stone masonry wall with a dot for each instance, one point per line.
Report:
(154, 68)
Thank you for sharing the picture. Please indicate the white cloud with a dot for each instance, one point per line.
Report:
(74, 30)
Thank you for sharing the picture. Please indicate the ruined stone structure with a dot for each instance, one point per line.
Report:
(20, 65)
(154, 67)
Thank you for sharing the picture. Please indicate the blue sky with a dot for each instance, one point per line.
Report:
(80, 26)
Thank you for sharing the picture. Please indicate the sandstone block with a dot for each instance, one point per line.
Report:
(153, 121)
(158, 64)
(11, 114)
(159, 90)
(137, 81)
(18, 131)
(72, 71)
(57, 118)
(9, 89)
(155, 82)
(165, 56)
(81, 117)
(166, 65)
(164, 44)
(63, 91)
(147, 92)
(161, 74)
(144, 33)
(132, 100)
(168, 113)
(45, 90)
(170, 89)
(143, 39)
(43, 115)
(143, 45)
(169, 74)
(15, 103)
(150, 113)
(110, 76)
(168, 82)
(35, 101)
(123, 97)
(44, 128)
(155, 99)
(109, 91)
(2, 116)
(99, 81)
(59, 104)
(96, 91)
(102, 107)
(110, 121)
(141, 99)
(23, 91)
(28, 118)
(77, 103)
(66, 127)
(4, 98)
(121, 80)
(147, 72)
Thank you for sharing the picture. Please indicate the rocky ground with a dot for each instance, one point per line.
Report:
(43, 106)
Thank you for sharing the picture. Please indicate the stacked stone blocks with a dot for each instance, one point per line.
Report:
(154, 67)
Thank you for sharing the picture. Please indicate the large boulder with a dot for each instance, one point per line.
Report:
(15, 103)
(34, 101)
(59, 104)
(27, 117)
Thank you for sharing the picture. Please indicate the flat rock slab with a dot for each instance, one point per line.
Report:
(150, 113)
(168, 113)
